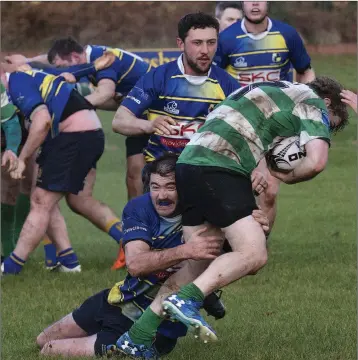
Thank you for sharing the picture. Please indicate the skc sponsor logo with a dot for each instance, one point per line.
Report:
(186, 129)
(251, 77)
(171, 108)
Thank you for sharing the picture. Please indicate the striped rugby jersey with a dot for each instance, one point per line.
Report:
(167, 90)
(268, 56)
(242, 128)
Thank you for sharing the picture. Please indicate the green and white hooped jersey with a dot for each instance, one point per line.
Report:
(7, 107)
(242, 128)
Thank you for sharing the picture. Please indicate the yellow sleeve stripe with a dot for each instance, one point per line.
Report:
(128, 71)
(260, 52)
(215, 101)
(158, 112)
(260, 67)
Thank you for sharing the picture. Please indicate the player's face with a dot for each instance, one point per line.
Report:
(163, 192)
(255, 11)
(199, 50)
(228, 17)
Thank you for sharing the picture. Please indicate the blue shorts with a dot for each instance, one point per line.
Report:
(97, 316)
(64, 161)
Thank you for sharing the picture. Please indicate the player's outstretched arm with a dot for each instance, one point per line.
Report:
(142, 261)
(314, 163)
(40, 125)
(126, 123)
(104, 91)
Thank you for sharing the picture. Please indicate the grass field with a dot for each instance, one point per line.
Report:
(302, 305)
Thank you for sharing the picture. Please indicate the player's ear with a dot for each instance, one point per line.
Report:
(180, 44)
(327, 101)
(76, 57)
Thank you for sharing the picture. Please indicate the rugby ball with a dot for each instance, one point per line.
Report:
(287, 154)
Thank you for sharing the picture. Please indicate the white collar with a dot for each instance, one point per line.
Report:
(7, 74)
(172, 219)
(192, 79)
(88, 52)
(256, 36)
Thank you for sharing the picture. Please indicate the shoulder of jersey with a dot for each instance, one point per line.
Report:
(281, 26)
(140, 204)
(232, 30)
(168, 69)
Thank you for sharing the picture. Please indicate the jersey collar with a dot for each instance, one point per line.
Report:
(256, 36)
(88, 53)
(194, 80)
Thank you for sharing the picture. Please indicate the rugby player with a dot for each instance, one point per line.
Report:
(257, 49)
(74, 144)
(227, 13)
(11, 129)
(222, 156)
(114, 82)
(154, 251)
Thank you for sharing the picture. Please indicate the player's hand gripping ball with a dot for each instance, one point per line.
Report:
(285, 155)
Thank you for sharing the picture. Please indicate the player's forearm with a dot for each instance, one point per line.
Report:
(110, 105)
(149, 262)
(306, 170)
(126, 123)
(38, 131)
(12, 130)
(100, 95)
(40, 58)
(306, 77)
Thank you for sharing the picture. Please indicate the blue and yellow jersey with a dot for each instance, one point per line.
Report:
(267, 56)
(125, 71)
(141, 222)
(166, 90)
(32, 88)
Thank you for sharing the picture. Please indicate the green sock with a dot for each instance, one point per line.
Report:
(21, 211)
(145, 328)
(7, 229)
(192, 292)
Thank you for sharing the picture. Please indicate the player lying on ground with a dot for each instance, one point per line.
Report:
(151, 222)
(74, 143)
(222, 156)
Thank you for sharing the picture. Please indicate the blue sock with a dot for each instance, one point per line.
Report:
(50, 252)
(68, 258)
(115, 230)
(13, 264)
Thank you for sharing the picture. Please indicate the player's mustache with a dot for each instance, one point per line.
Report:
(165, 202)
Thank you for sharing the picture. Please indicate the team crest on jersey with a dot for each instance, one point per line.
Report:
(171, 108)
(276, 58)
(240, 62)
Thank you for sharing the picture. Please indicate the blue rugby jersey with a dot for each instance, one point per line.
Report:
(166, 90)
(125, 71)
(267, 56)
(134, 294)
(29, 89)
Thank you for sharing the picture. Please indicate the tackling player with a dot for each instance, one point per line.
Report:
(221, 156)
(154, 250)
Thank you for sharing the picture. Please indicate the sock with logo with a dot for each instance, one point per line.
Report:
(50, 252)
(145, 328)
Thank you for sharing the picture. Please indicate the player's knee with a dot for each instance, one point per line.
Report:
(41, 340)
(258, 260)
(40, 202)
(46, 349)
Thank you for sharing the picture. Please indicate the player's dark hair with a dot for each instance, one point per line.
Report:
(64, 47)
(163, 166)
(197, 20)
(223, 5)
(326, 87)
